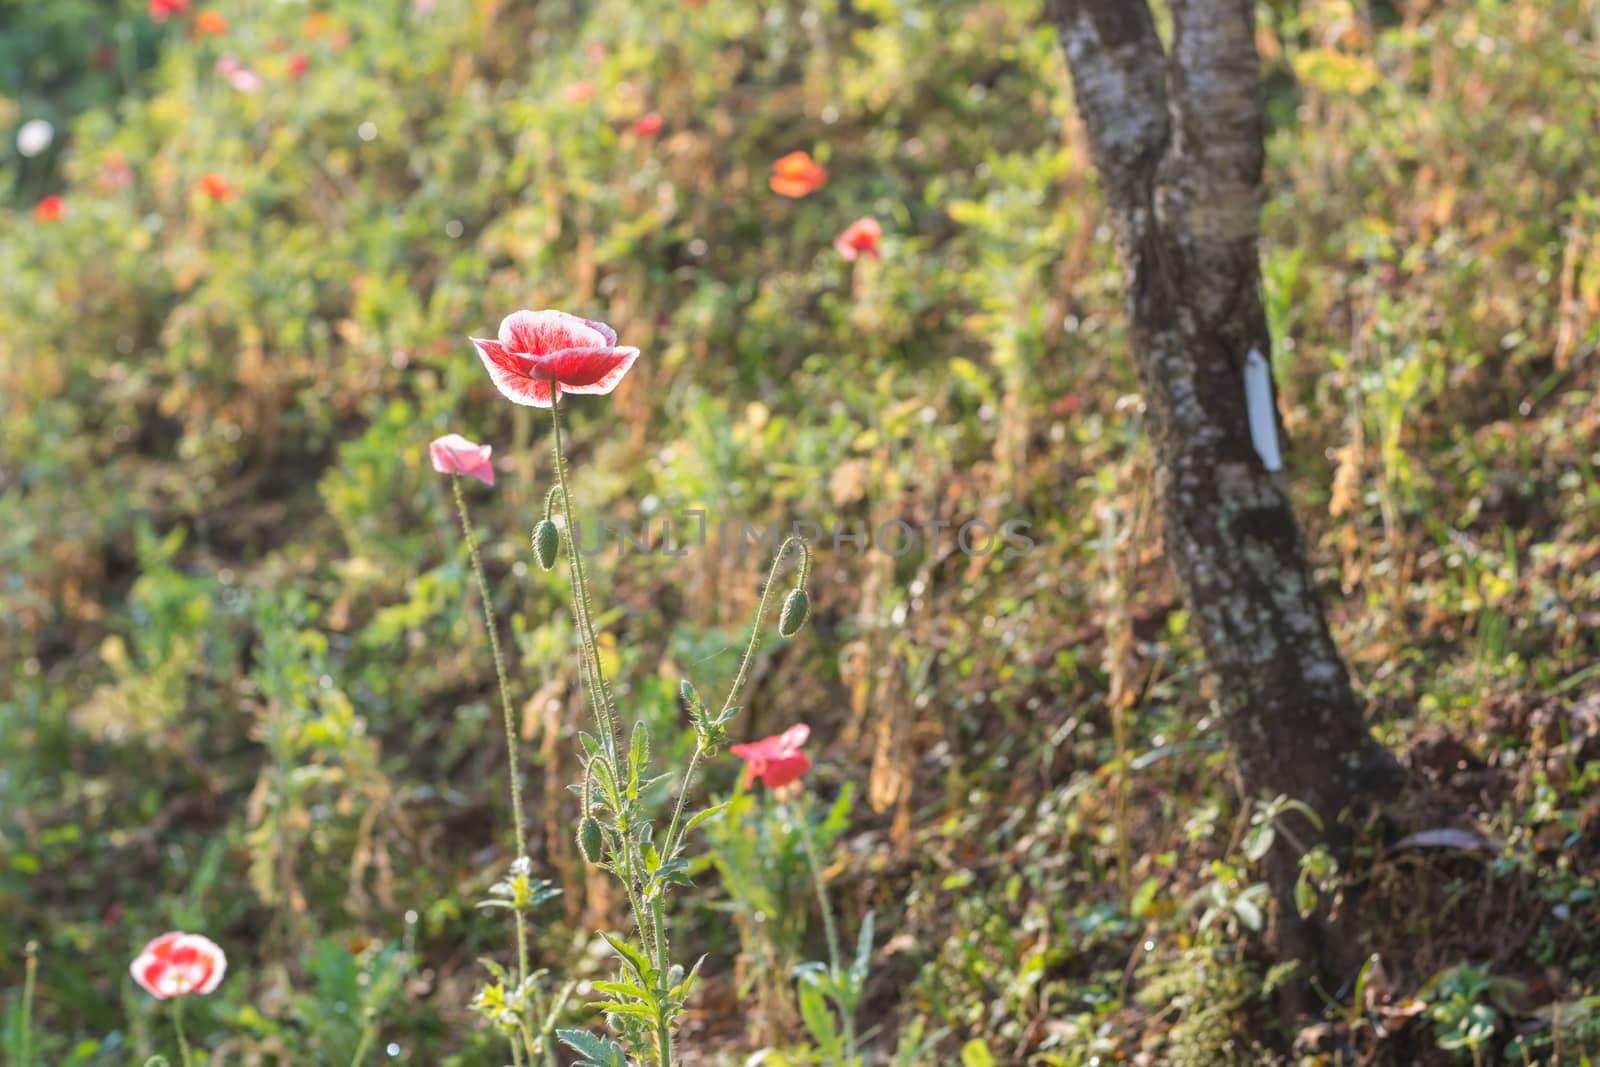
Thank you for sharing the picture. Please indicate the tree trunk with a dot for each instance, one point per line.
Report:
(1177, 137)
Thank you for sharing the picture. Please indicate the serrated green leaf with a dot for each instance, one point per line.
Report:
(818, 1018)
(596, 1051)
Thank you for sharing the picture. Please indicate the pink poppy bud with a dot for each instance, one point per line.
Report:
(454, 454)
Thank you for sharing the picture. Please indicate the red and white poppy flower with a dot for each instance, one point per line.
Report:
(542, 354)
(776, 760)
(177, 964)
(860, 236)
(454, 454)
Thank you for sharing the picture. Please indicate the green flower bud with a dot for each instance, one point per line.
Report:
(546, 539)
(796, 606)
(589, 839)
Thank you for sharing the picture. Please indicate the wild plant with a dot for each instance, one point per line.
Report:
(538, 359)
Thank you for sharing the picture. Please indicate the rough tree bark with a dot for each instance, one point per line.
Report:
(1177, 137)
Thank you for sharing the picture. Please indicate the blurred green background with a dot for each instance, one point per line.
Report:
(243, 687)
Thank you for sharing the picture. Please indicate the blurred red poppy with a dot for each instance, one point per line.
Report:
(860, 236)
(541, 354)
(162, 10)
(217, 186)
(776, 760)
(177, 964)
(454, 454)
(797, 175)
(50, 209)
(297, 65)
(648, 125)
(1066, 404)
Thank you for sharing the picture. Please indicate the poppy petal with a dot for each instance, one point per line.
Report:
(510, 374)
(780, 772)
(540, 333)
(587, 371)
(147, 970)
(795, 736)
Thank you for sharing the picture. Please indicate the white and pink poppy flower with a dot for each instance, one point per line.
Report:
(542, 354)
(454, 454)
(177, 964)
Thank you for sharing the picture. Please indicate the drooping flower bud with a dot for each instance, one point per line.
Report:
(796, 606)
(546, 539)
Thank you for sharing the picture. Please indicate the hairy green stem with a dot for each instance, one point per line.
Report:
(835, 958)
(650, 931)
(761, 613)
(581, 607)
(177, 1024)
(507, 713)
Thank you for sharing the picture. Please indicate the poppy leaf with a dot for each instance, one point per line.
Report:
(858, 970)
(596, 1051)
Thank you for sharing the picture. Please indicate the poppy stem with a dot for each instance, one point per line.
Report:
(835, 959)
(29, 979)
(650, 932)
(761, 612)
(506, 712)
(581, 606)
(177, 1024)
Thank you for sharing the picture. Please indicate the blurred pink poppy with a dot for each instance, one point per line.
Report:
(860, 236)
(578, 92)
(595, 51)
(776, 760)
(177, 964)
(454, 454)
(541, 354)
(297, 64)
(648, 125)
(162, 10)
(237, 74)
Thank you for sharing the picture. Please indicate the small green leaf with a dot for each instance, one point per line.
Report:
(858, 970)
(975, 1053)
(632, 957)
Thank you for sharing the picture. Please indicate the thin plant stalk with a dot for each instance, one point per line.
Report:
(29, 979)
(510, 722)
(177, 1024)
(739, 678)
(650, 922)
(829, 927)
(367, 1034)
